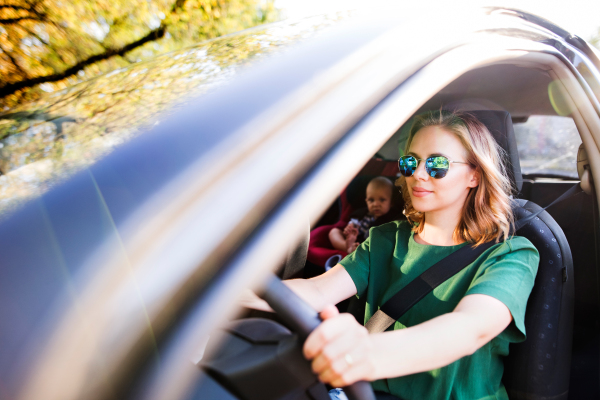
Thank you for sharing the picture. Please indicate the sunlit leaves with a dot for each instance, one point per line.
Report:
(48, 139)
(67, 41)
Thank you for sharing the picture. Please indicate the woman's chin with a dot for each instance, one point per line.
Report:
(420, 204)
(423, 207)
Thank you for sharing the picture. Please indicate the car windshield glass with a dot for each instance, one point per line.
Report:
(548, 146)
(45, 141)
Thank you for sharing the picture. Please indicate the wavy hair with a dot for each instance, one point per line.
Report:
(486, 214)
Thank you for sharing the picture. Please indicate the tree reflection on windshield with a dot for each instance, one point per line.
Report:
(44, 142)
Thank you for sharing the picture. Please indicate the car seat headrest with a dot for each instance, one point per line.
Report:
(499, 123)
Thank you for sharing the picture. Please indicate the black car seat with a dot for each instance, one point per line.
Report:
(539, 367)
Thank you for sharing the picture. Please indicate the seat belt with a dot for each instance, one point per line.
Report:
(419, 287)
(441, 271)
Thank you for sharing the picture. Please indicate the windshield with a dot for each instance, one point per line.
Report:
(44, 142)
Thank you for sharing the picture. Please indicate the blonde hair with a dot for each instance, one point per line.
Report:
(487, 213)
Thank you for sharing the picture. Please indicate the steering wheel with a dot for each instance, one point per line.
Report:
(303, 320)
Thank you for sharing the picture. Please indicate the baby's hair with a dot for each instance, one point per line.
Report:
(381, 182)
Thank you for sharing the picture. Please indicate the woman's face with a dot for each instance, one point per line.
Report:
(450, 192)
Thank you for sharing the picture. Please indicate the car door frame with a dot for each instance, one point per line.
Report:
(343, 144)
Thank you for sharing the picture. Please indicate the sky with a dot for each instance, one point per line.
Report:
(580, 17)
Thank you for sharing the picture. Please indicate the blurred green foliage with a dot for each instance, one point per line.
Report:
(47, 45)
(49, 138)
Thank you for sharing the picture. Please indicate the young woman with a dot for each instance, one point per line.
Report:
(451, 343)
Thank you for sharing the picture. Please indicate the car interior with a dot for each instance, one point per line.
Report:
(523, 105)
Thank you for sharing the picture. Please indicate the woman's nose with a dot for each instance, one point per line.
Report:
(420, 172)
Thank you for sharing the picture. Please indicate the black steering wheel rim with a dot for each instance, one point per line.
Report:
(303, 319)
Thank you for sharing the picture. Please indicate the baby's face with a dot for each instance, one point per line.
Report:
(379, 200)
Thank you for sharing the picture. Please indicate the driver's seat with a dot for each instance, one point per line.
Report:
(539, 367)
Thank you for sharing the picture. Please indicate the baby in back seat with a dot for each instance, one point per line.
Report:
(379, 203)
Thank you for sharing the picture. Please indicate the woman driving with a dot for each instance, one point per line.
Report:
(451, 343)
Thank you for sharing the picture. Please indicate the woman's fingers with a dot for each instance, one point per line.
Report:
(329, 329)
(346, 349)
(329, 311)
(353, 364)
(358, 372)
(340, 349)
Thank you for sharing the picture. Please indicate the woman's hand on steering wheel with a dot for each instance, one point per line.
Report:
(304, 320)
(340, 349)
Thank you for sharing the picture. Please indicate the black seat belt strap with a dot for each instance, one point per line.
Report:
(435, 275)
(576, 189)
(419, 287)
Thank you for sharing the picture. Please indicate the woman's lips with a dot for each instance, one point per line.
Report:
(420, 192)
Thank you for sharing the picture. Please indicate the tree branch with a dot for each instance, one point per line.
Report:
(31, 9)
(14, 7)
(13, 61)
(32, 13)
(13, 87)
(12, 21)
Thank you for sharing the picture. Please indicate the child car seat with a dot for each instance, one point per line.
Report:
(352, 199)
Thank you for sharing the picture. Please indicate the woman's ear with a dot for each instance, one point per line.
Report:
(475, 175)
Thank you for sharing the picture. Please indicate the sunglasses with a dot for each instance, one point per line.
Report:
(436, 166)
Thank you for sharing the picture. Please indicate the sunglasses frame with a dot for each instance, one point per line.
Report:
(432, 173)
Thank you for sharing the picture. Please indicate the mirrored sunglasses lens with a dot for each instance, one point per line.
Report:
(437, 167)
(407, 165)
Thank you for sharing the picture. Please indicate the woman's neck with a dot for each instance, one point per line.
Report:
(438, 229)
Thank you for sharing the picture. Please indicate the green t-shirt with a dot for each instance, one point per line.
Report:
(390, 258)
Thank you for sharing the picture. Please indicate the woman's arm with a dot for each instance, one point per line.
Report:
(331, 287)
(343, 352)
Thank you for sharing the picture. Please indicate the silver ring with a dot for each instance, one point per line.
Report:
(348, 359)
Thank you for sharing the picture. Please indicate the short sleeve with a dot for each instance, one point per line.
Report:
(357, 264)
(508, 274)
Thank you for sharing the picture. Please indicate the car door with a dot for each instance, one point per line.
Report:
(211, 217)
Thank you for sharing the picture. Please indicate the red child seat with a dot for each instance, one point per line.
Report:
(352, 199)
